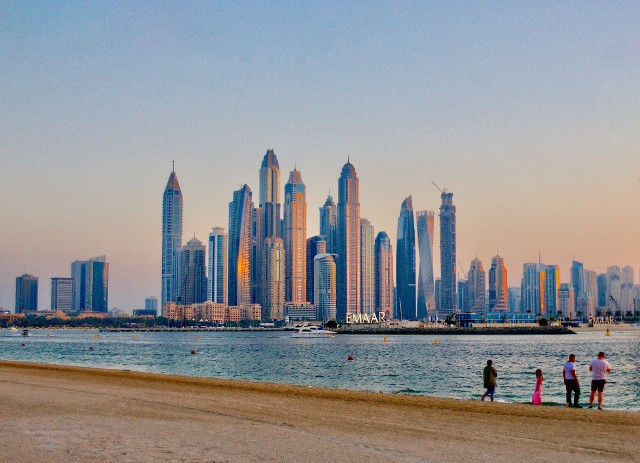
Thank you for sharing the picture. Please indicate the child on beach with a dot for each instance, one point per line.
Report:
(536, 398)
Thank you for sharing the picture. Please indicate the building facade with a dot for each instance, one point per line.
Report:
(325, 287)
(426, 290)
(172, 205)
(406, 262)
(295, 238)
(477, 287)
(239, 250)
(26, 293)
(384, 274)
(329, 224)
(551, 288)
(448, 260)
(274, 293)
(498, 286)
(566, 301)
(62, 294)
(90, 285)
(217, 280)
(315, 245)
(367, 268)
(348, 262)
(192, 272)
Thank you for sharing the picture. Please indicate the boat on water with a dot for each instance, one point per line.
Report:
(13, 329)
(311, 331)
(25, 332)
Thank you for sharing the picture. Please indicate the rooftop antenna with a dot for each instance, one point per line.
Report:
(173, 166)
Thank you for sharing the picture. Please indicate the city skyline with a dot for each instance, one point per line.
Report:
(529, 115)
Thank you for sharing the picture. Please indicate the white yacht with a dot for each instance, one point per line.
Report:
(311, 331)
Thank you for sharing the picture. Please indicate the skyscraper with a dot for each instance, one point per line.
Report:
(315, 245)
(274, 293)
(532, 288)
(295, 238)
(218, 280)
(329, 224)
(498, 287)
(626, 291)
(551, 288)
(406, 262)
(171, 236)
(151, 305)
(26, 293)
(192, 271)
(239, 264)
(91, 284)
(577, 281)
(367, 268)
(61, 294)
(602, 291)
(463, 296)
(566, 304)
(614, 287)
(325, 286)
(384, 274)
(476, 285)
(426, 290)
(447, 254)
(348, 265)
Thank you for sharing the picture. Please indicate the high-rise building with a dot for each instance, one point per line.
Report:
(384, 274)
(438, 286)
(295, 238)
(239, 250)
(172, 203)
(426, 296)
(315, 245)
(514, 299)
(566, 303)
(91, 284)
(447, 254)
(406, 262)
(192, 271)
(348, 265)
(324, 292)
(577, 281)
(551, 288)
(532, 288)
(477, 287)
(61, 294)
(626, 291)
(463, 296)
(602, 291)
(274, 293)
(26, 293)
(329, 224)
(614, 287)
(367, 268)
(218, 266)
(498, 287)
(151, 305)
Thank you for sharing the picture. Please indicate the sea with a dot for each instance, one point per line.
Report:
(402, 364)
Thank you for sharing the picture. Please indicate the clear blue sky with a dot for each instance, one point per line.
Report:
(529, 112)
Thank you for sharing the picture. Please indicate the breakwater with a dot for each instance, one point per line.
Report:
(481, 330)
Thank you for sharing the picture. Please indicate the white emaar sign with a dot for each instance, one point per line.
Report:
(365, 318)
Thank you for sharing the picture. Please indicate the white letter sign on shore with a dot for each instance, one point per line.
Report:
(364, 318)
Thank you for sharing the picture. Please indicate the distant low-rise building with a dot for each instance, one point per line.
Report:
(212, 312)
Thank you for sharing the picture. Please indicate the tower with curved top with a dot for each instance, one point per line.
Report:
(348, 261)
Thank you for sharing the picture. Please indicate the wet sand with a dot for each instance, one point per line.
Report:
(53, 413)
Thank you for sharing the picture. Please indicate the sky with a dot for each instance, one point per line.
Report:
(529, 112)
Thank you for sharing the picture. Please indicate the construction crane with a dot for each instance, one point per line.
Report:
(612, 299)
(462, 268)
(441, 190)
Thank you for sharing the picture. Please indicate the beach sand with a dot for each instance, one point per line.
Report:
(53, 413)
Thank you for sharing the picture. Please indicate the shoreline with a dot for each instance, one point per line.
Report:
(117, 415)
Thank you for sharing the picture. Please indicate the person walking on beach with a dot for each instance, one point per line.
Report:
(489, 375)
(599, 369)
(536, 398)
(571, 382)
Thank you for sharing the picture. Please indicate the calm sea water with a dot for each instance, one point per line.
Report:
(403, 364)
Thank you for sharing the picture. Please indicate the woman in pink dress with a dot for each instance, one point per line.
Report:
(536, 398)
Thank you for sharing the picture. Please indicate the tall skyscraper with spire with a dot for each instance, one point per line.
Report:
(267, 223)
(295, 238)
(329, 224)
(348, 262)
(367, 267)
(448, 285)
(172, 203)
(426, 290)
(406, 262)
(239, 274)
(384, 274)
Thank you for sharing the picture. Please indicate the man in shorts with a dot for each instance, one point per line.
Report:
(599, 369)
(489, 375)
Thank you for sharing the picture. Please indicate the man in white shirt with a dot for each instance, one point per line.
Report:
(571, 382)
(599, 369)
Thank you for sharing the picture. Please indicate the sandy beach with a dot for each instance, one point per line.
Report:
(53, 413)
